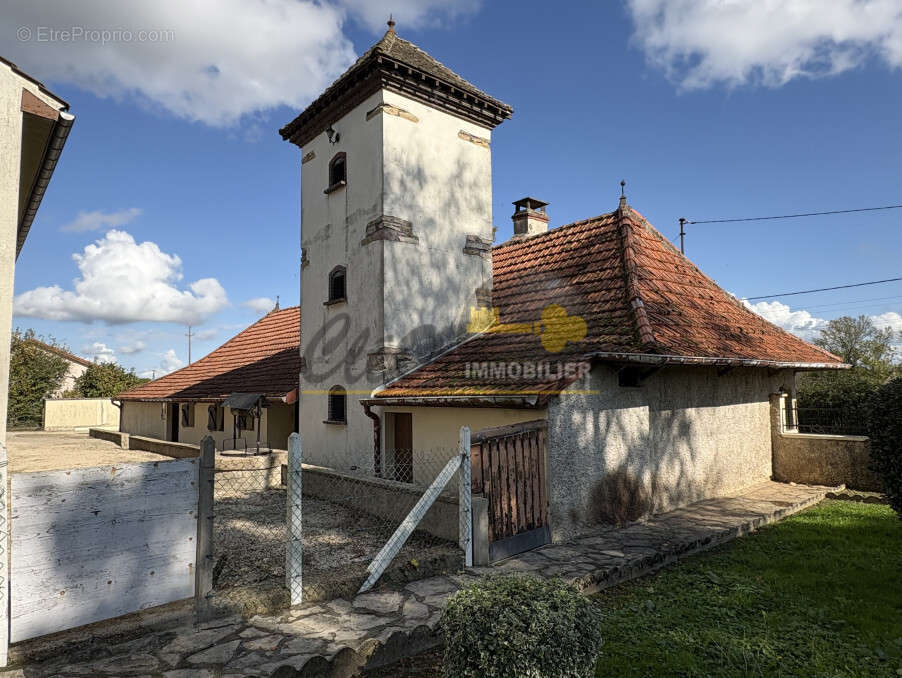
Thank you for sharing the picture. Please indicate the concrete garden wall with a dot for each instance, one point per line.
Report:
(66, 414)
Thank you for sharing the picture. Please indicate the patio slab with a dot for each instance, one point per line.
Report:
(342, 637)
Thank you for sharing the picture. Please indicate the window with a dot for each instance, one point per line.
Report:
(188, 415)
(338, 403)
(338, 172)
(629, 377)
(337, 286)
(245, 421)
(215, 418)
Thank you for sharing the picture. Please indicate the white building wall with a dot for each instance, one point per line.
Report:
(405, 161)
(11, 86)
(684, 435)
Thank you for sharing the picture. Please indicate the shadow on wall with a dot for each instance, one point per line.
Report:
(685, 435)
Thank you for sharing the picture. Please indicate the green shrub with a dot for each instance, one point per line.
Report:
(885, 432)
(520, 627)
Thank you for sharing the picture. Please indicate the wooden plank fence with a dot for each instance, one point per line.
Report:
(95, 543)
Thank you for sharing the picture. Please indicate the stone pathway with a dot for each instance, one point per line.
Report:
(341, 637)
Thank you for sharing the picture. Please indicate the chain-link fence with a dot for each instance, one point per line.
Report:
(389, 520)
(249, 533)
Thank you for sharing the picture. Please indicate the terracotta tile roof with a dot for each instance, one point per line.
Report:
(62, 353)
(264, 358)
(641, 300)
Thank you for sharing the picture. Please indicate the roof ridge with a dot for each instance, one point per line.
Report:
(552, 231)
(631, 278)
(61, 352)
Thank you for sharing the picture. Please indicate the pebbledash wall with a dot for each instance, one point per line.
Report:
(401, 229)
(150, 419)
(685, 434)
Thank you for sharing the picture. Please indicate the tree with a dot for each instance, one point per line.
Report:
(34, 374)
(858, 342)
(106, 380)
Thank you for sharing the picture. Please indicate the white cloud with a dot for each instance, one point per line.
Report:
(134, 347)
(798, 322)
(213, 61)
(171, 362)
(890, 319)
(259, 304)
(204, 335)
(99, 352)
(92, 221)
(123, 281)
(701, 43)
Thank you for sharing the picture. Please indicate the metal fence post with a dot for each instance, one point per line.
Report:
(203, 569)
(294, 550)
(465, 497)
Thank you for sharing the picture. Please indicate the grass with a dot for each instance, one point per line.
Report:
(819, 594)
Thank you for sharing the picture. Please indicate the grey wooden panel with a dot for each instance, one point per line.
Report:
(94, 543)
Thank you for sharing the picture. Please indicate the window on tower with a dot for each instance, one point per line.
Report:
(337, 285)
(338, 172)
(338, 400)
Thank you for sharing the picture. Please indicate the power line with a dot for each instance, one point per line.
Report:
(824, 289)
(795, 216)
(869, 302)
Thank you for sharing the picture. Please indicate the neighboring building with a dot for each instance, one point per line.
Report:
(76, 366)
(651, 383)
(220, 393)
(34, 126)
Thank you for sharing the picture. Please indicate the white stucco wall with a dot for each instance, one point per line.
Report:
(11, 86)
(413, 297)
(74, 371)
(151, 419)
(71, 413)
(683, 435)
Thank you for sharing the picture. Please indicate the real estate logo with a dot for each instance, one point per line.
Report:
(555, 328)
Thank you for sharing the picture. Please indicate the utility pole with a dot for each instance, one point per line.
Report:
(189, 335)
(682, 235)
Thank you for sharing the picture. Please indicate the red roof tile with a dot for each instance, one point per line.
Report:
(265, 358)
(641, 300)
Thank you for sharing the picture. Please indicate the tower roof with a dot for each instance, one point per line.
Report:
(397, 64)
(628, 297)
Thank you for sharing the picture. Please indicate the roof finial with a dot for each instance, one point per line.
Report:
(622, 192)
(391, 23)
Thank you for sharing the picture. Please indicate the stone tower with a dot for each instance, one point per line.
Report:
(396, 232)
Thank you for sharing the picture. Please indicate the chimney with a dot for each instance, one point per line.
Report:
(529, 217)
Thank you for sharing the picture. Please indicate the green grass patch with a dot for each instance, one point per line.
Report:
(818, 594)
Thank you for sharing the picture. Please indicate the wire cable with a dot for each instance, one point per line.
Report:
(795, 216)
(823, 289)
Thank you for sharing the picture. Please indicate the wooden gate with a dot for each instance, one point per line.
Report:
(508, 467)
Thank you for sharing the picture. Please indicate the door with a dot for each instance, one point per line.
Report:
(403, 432)
(508, 468)
(173, 419)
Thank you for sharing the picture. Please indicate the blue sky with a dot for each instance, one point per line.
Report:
(707, 112)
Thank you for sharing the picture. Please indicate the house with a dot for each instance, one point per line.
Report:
(244, 393)
(643, 384)
(76, 366)
(34, 125)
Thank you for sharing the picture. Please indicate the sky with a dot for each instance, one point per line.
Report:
(176, 202)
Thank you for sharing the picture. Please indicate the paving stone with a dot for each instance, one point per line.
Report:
(379, 602)
(414, 610)
(218, 654)
(248, 661)
(297, 662)
(360, 622)
(189, 673)
(189, 641)
(431, 586)
(252, 632)
(340, 606)
(266, 644)
(318, 624)
(128, 665)
(302, 645)
(439, 599)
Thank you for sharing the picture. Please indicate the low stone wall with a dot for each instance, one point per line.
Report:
(824, 460)
(121, 439)
(391, 499)
(164, 447)
(814, 459)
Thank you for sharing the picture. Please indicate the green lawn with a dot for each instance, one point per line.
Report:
(819, 594)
